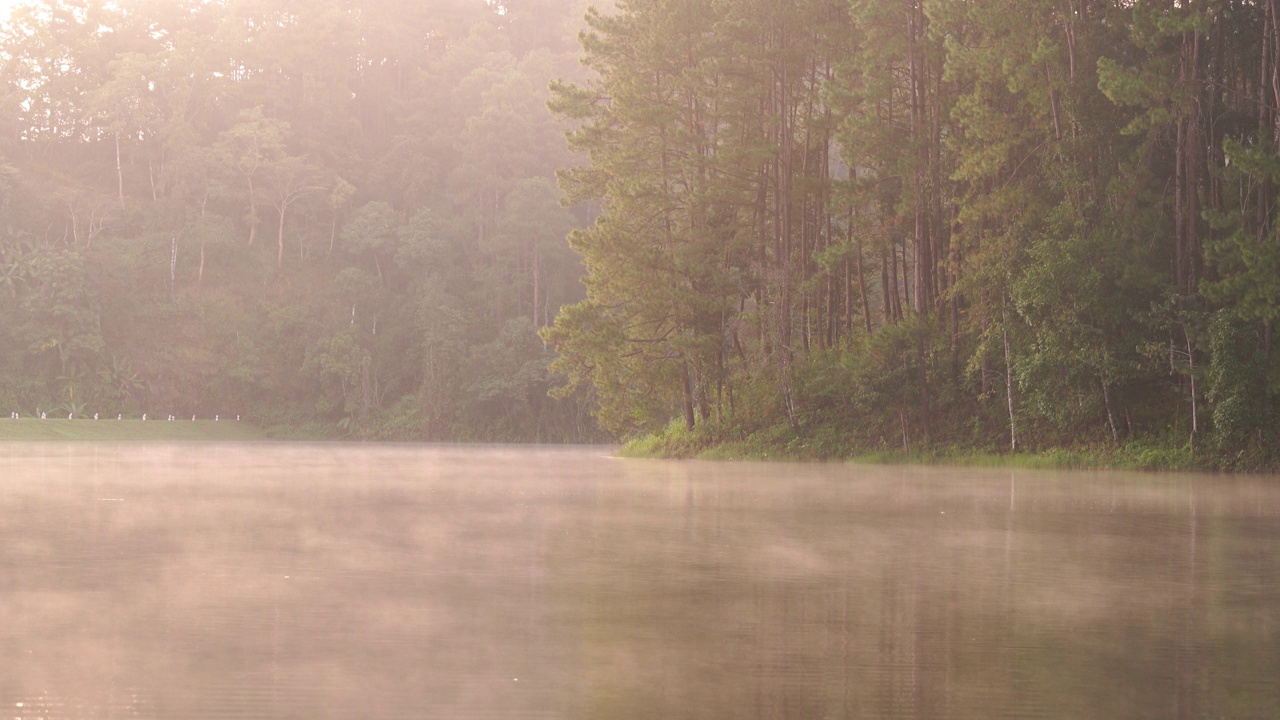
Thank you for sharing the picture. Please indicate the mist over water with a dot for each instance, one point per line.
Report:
(383, 581)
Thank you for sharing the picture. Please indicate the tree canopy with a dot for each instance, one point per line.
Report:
(904, 223)
(321, 214)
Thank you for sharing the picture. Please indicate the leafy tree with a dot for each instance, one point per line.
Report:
(62, 329)
(342, 368)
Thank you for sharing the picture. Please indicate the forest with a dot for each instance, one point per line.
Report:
(815, 226)
(335, 218)
(832, 226)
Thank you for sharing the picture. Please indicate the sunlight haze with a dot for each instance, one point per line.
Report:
(348, 348)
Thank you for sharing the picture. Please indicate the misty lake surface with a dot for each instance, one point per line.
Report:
(273, 580)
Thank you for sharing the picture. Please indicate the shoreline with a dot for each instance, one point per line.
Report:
(1136, 455)
(32, 429)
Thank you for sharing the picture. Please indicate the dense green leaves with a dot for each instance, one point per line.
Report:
(1021, 189)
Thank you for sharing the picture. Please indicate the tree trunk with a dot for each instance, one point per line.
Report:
(1054, 103)
(280, 237)
(1008, 391)
(687, 387)
(253, 213)
(886, 303)
(862, 293)
(537, 271)
(922, 261)
(1111, 419)
(1191, 372)
(925, 409)
(119, 172)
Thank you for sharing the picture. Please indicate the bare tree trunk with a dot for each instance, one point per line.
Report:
(173, 266)
(886, 303)
(1186, 158)
(922, 261)
(253, 213)
(941, 230)
(1070, 28)
(1008, 391)
(1191, 372)
(1268, 99)
(897, 296)
(1179, 217)
(862, 293)
(923, 377)
(1274, 37)
(986, 357)
(537, 270)
(280, 237)
(687, 388)
(1111, 420)
(1053, 103)
(119, 172)
(151, 177)
(906, 285)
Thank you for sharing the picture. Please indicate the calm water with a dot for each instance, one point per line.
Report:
(338, 581)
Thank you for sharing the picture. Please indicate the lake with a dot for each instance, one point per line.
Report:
(266, 580)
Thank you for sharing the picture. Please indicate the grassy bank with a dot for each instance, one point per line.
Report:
(124, 430)
(676, 442)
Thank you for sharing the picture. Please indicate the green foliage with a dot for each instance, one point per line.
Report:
(401, 421)
(865, 389)
(1244, 402)
(1040, 206)
(20, 395)
(810, 229)
(62, 325)
(1246, 255)
(303, 215)
(341, 368)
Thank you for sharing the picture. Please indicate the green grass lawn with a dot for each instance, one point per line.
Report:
(108, 430)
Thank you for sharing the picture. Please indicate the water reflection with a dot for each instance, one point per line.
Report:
(280, 581)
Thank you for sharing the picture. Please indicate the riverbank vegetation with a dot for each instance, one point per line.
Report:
(676, 441)
(336, 219)
(834, 228)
